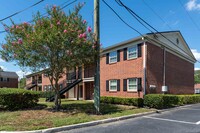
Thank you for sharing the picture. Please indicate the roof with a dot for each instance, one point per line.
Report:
(35, 73)
(8, 74)
(197, 86)
(157, 38)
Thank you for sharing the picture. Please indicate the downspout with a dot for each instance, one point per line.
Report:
(164, 63)
(144, 67)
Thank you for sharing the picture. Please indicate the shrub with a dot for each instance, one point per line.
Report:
(161, 101)
(124, 101)
(14, 99)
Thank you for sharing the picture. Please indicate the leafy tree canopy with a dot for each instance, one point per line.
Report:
(55, 42)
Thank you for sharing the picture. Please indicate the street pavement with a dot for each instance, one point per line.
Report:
(181, 120)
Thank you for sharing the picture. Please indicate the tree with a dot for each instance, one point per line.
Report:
(22, 83)
(197, 76)
(57, 42)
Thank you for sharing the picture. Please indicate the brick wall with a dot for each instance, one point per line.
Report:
(179, 73)
(120, 70)
(154, 68)
(12, 83)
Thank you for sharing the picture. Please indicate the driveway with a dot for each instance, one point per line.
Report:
(182, 120)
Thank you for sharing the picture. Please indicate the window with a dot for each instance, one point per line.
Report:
(5, 79)
(113, 85)
(113, 57)
(49, 87)
(132, 84)
(132, 52)
(45, 88)
(197, 91)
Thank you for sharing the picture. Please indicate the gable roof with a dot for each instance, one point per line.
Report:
(169, 41)
(7, 74)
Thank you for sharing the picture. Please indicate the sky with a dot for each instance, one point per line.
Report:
(165, 15)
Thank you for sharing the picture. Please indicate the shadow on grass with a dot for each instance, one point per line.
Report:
(73, 107)
(89, 108)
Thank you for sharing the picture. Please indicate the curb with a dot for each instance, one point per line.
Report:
(98, 122)
(81, 125)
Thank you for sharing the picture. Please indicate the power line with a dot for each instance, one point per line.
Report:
(144, 22)
(190, 17)
(137, 30)
(139, 20)
(21, 11)
(156, 14)
(43, 15)
(121, 17)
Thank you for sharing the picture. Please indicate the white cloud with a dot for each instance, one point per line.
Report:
(21, 74)
(4, 68)
(196, 68)
(196, 54)
(192, 5)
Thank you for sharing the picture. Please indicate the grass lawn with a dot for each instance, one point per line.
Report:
(72, 112)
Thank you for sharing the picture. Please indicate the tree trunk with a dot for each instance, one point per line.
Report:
(57, 100)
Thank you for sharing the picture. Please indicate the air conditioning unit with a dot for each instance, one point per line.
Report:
(164, 88)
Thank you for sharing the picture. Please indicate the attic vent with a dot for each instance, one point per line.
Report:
(177, 41)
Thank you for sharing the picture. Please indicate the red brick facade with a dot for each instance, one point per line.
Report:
(83, 90)
(12, 83)
(120, 70)
(179, 72)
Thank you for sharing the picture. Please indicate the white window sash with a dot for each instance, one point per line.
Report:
(113, 57)
(132, 52)
(111, 85)
(132, 90)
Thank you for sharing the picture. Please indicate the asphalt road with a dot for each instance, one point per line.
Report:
(183, 120)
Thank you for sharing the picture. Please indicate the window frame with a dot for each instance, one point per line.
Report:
(128, 52)
(110, 85)
(128, 89)
(112, 57)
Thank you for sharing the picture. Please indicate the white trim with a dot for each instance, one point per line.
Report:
(144, 67)
(88, 79)
(170, 49)
(110, 84)
(136, 85)
(135, 46)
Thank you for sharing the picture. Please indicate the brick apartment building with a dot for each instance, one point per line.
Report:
(143, 65)
(8, 79)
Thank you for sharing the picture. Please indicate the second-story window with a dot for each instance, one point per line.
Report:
(113, 57)
(132, 52)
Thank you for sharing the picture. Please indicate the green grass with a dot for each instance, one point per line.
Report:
(72, 112)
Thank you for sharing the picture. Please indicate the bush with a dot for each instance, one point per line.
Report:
(124, 101)
(161, 101)
(14, 99)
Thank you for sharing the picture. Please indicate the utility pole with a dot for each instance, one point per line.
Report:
(97, 57)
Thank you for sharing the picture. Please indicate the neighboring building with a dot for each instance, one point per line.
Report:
(79, 82)
(197, 88)
(143, 65)
(8, 79)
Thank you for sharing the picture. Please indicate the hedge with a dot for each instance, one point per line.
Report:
(124, 101)
(14, 99)
(161, 101)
